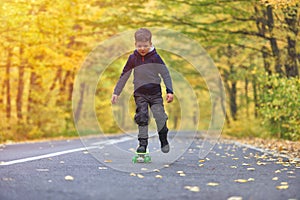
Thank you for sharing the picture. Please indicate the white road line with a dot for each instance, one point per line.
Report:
(107, 142)
(45, 156)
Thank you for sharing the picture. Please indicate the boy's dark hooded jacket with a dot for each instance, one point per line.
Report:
(146, 74)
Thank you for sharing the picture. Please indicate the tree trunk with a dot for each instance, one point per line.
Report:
(291, 65)
(266, 60)
(20, 87)
(7, 84)
(80, 103)
(233, 104)
(247, 96)
(255, 97)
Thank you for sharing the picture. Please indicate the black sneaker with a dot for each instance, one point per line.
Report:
(143, 145)
(163, 134)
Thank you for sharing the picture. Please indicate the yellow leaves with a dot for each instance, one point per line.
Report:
(235, 198)
(181, 173)
(244, 180)
(140, 176)
(132, 174)
(158, 176)
(136, 175)
(241, 181)
(283, 186)
(69, 178)
(107, 161)
(261, 163)
(192, 188)
(213, 184)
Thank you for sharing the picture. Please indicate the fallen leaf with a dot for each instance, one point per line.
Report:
(251, 169)
(212, 184)
(132, 174)
(251, 179)
(284, 183)
(179, 172)
(156, 170)
(235, 158)
(69, 178)
(277, 171)
(233, 167)
(107, 161)
(235, 198)
(166, 166)
(282, 187)
(144, 169)
(158, 176)
(246, 164)
(201, 160)
(201, 165)
(85, 152)
(241, 180)
(275, 178)
(261, 163)
(62, 162)
(140, 176)
(192, 188)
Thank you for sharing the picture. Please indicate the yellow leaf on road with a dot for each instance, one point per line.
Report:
(158, 176)
(282, 187)
(69, 178)
(140, 176)
(241, 180)
(212, 184)
(132, 174)
(192, 188)
(235, 198)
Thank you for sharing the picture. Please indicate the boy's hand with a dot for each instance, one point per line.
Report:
(114, 99)
(169, 97)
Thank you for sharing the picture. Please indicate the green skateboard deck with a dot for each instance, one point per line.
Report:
(141, 158)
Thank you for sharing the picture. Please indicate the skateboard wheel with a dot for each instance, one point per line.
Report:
(147, 159)
(134, 159)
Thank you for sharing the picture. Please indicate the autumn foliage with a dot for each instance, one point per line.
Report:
(255, 45)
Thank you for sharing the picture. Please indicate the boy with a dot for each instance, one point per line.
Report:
(147, 66)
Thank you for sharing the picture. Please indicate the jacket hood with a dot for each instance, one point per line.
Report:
(150, 53)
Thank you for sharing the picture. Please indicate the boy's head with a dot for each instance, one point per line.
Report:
(143, 41)
(143, 35)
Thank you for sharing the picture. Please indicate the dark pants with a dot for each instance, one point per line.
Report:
(143, 102)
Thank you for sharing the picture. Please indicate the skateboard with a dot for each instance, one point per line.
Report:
(141, 157)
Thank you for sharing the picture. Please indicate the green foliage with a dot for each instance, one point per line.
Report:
(279, 106)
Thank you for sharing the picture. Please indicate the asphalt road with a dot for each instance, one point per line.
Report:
(73, 169)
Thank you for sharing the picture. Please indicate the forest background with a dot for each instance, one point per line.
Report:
(254, 44)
